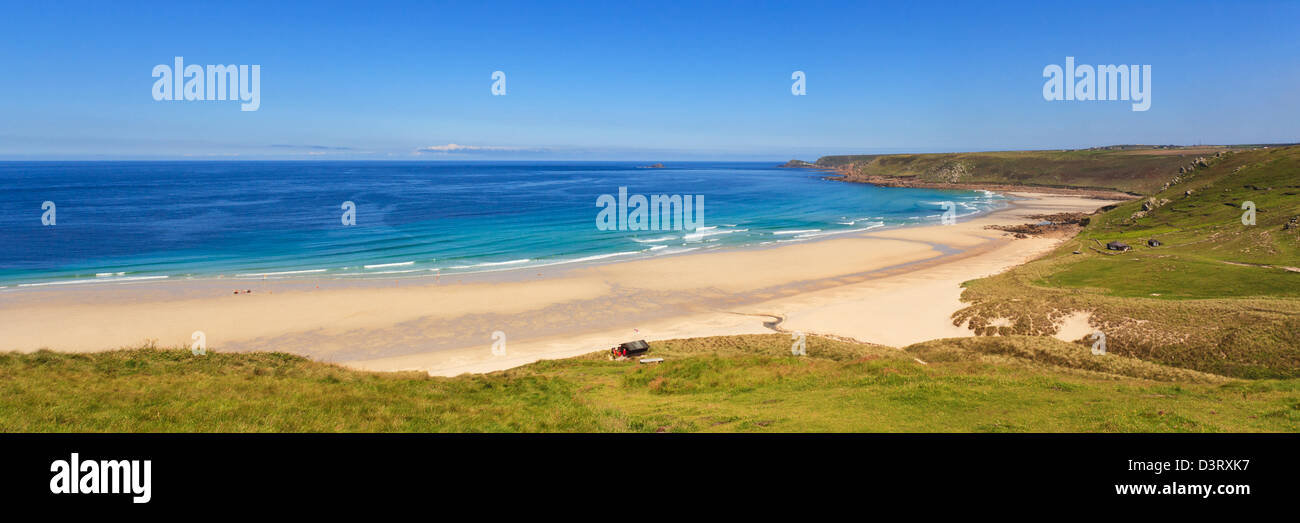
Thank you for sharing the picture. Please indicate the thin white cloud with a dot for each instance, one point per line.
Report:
(458, 148)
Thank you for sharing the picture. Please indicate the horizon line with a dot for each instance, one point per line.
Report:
(470, 159)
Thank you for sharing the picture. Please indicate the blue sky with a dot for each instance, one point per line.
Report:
(637, 81)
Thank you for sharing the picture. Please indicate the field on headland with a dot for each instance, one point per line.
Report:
(1215, 295)
(1128, 169)
(724, 384)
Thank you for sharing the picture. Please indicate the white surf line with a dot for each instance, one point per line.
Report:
(382, 265)
(843, 231)
(540, 265)
(96, 280)
(704, 233)
(589, 258)
(601, 256)
(281, 273)
(655, 240)
(379, 272)
(491, 264)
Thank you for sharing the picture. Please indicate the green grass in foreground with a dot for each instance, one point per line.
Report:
(741, 383)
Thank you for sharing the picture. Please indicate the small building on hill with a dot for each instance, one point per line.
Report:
(1117, 246)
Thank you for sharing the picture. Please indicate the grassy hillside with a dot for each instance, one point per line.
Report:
(1217, 295)
(742, 383)
(1132, 169)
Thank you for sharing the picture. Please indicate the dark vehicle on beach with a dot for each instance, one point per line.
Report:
(629, 349)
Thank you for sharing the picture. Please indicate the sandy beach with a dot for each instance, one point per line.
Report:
(891, 286)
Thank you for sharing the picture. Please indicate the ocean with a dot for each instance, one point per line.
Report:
(115, 222)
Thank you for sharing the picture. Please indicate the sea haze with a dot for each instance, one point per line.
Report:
(128, 221)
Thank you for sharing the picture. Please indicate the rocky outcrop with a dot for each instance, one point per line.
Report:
(1152, 203)
(948, 172)
(1069, 222)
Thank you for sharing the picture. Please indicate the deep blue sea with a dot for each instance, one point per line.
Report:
(137, 221)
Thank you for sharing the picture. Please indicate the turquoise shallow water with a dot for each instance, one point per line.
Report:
(135, 221)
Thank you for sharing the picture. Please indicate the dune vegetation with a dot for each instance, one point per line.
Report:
(723, 384)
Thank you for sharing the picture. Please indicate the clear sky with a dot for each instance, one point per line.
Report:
(637, 81)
